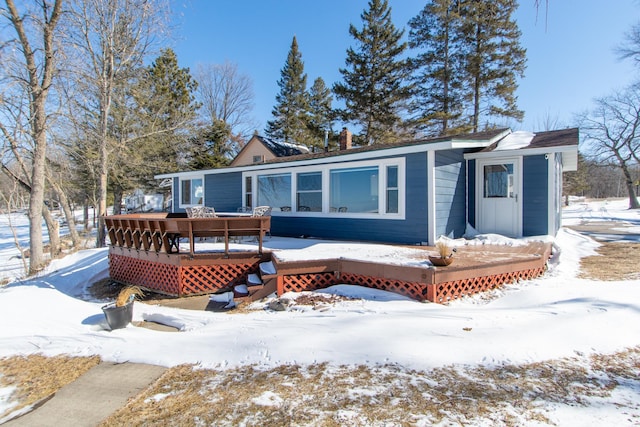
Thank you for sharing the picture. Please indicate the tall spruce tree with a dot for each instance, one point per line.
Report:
(320, 113)
(437, 94)
(493, 58)
(291, 113)
(374, 87)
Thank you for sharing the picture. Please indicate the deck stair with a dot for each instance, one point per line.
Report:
(259, 285)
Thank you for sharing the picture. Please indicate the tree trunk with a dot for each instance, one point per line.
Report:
(633, 200)
(70, 216)
(117, 200)
(54, 232)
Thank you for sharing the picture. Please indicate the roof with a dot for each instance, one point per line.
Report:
(548, 139)
(282, 149)
(469, 137)
(483, 144)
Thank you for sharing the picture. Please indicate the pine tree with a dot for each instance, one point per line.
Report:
(493, 59)
(291, 113)
(437, 99)
(209, 148)
(320, 113)
(374, 88)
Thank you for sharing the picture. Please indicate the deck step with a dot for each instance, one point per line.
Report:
(254, 279)
(267, 269)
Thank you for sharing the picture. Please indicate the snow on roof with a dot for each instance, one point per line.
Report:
(515, 140)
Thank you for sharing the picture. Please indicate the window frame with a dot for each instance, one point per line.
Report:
(180, 185)
(325, 170)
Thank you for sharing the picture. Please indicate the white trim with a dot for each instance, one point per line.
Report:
(325, 170)
(431, 198)
(551, 174)
(569, 154)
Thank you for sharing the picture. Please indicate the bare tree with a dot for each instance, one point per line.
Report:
(113, 36)
(36, 30)
(227, 95)
(611, 133)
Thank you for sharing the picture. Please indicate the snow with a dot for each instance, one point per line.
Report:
(557, 315)
(515, 140)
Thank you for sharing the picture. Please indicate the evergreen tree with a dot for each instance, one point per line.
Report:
(320, 113)
(437, 99)
(210, 149)
(493, 58)
(374, 87)
(291, 113)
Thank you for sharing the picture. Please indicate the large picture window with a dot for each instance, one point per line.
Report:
(191, 192)
(309, 192)
(354, 190)
(365, 189)
(275, 191)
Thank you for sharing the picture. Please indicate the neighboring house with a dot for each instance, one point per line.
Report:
(410, 192)
(260, 149)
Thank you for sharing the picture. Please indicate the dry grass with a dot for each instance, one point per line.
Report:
(615, 261)
(323, 395)
(37, 377)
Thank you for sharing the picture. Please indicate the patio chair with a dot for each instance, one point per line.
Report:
(261, 211)
(208, 212)
(194, 211)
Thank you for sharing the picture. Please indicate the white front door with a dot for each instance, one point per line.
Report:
(498, 188)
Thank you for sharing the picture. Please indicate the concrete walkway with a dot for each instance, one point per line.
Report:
(94, 396)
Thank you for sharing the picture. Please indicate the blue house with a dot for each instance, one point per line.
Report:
(410, 192)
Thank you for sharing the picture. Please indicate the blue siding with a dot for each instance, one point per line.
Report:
(223, 191)
(535, 188)
(471, 193)
(409, 231)
(450, 193)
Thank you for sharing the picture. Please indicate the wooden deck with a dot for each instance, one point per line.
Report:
(475, 269)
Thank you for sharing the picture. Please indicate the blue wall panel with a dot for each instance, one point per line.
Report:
(450, 193)
(535, 188)
(223, 191)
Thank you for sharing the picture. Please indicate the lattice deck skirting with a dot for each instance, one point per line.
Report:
(434, 292)
(177, 279)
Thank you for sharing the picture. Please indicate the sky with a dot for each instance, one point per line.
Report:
(569, 46)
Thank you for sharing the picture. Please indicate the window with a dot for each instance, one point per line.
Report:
(191, 192)
(248, 198)
(354, 190)
(275, 191)
(258, 159)
(309, 188)
(364, 189)
(392, 189)
(498, 181)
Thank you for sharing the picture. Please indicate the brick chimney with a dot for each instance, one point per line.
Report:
(345, 139)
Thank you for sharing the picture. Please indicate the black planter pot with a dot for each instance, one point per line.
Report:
(118, 317)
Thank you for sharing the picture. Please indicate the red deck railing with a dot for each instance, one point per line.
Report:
(160, 232)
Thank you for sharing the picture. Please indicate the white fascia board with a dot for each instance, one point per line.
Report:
(565, 149)
(367, 155)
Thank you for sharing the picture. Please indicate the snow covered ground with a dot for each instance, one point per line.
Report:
(557, 315)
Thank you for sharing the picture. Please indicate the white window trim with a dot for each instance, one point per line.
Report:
(382, 165)
(190, 178)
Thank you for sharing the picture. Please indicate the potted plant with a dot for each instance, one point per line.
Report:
(445, 255)
(120, 312)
